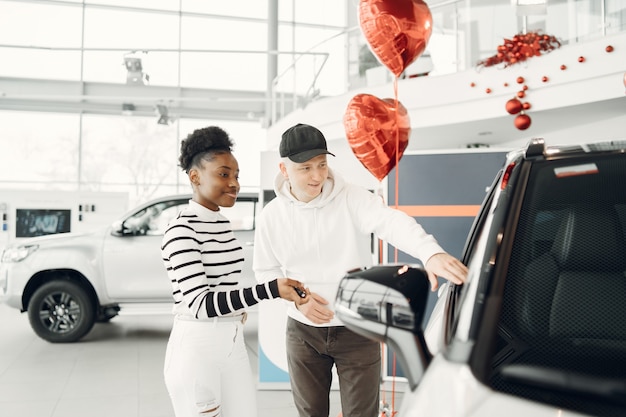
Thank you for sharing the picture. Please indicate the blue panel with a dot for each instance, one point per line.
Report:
(268, 371)
(444, 179)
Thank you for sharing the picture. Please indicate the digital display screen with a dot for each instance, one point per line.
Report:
(40, 222)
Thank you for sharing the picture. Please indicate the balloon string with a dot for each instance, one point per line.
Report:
(395, 92)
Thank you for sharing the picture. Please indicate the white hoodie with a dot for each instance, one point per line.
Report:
(319, 241)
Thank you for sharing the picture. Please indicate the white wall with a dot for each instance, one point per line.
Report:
(89, 210)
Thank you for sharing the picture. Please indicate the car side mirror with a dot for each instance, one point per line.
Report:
(387, 303)
(117, 228)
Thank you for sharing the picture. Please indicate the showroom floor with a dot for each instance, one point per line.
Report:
(116, 370)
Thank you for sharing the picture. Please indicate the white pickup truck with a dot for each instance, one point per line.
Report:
(67, 282)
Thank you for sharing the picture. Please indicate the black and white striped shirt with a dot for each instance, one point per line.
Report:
(203, 261)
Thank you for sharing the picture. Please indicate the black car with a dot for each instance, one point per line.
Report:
(540, 326)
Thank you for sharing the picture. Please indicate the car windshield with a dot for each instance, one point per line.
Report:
(563, 319)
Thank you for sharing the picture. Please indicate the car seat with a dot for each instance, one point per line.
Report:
(571, 301)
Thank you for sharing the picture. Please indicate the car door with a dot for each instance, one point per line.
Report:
(132, 263)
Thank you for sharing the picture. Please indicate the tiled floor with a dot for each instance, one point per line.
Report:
(116, 371)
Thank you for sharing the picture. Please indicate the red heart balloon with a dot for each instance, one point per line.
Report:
(396, 30)
(377, 131)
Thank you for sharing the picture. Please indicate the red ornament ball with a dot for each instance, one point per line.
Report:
(526, 106)
(609, 48)
(522, 121)
(581, 59)
(563, 67)
(488, 90)
(520, 80)
(506, 84)
(524, 87)
(513, 106)
(472, 84)
(521, 94)
(544, 79)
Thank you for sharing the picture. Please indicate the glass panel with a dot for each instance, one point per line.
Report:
(130, 30)
(133, 151)
(319, 12)
(140, 4)
(241, 72)
(241, 8)
(231, 69)
(40, 64)
(222, 34)
(30, 24)
(39, 150)
(37, 25)
(327, 60)
(104, 67)
(158, 68)
(615, 16)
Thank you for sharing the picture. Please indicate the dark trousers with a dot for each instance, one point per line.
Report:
(311, 354)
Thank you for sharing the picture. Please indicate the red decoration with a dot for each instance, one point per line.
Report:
(521, 94)
(522, 121)
(521, 47)
(506, 84)
(563, 67)
(526, 106)
(609, 48)
(396, 30)
(488, 91)
(581, 59)
(524, 87)
(377, 131)
(544, 79)
(472, 84)
(520, 80)
(513, 106)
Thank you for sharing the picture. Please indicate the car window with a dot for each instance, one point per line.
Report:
(562, 327)
(474, 257)
(241, 215)
(153, 220)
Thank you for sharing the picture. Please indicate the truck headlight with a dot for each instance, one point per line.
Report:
(18, 253)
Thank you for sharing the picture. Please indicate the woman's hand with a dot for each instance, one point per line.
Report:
(293, 290)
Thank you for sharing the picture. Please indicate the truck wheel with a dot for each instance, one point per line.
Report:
(61, 312)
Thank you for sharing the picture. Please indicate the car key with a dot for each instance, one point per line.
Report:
(301, 293)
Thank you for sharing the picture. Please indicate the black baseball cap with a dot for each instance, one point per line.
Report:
(302, 142)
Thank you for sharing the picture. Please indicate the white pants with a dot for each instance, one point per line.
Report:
(207, 372)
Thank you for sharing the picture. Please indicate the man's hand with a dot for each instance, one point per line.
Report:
(287, 290)
(445, 266)
(316, 310)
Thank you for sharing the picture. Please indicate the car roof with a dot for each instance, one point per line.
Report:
(244, 196)
(538, 149)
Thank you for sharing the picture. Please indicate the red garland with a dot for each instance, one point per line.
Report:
(520, 48)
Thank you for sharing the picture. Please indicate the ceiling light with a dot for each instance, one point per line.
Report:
(134, 70)
(163, 113)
